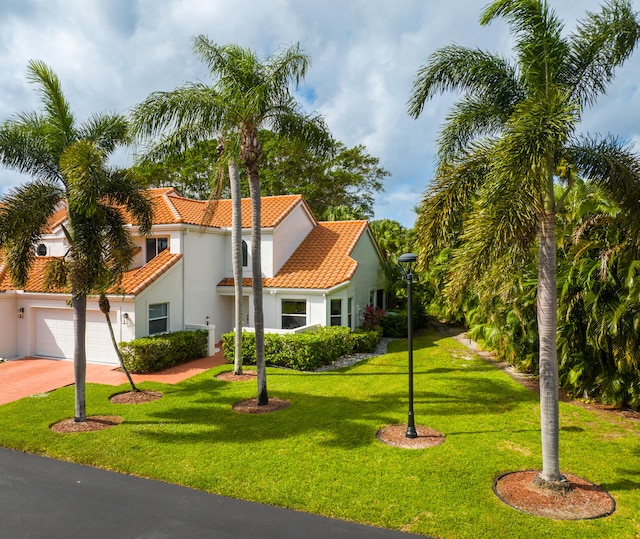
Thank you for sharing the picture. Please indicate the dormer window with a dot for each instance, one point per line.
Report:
(155, 246)
(41, 250)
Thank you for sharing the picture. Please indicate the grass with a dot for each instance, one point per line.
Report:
(320, 455)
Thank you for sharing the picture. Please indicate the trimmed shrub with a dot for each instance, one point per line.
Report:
(395, 324)
(157, 352)
(366, 341)
(303, 351)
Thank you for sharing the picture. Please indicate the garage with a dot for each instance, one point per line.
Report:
(54, 336)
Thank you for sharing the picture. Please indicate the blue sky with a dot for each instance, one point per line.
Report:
(110, 54)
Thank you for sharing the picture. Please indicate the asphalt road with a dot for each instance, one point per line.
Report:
(42, 497)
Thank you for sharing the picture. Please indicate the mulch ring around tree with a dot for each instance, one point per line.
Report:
(93, 423)
(229, 376)
(394, 435)
(135, 397)
(250, 406)
(584, 501)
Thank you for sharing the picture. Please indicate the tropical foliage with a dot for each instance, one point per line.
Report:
(509, 141)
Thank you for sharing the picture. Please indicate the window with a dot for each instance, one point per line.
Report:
(41, 250)
(336, 312)
(294, 313)
(245, 254)
(380, 298)
(350, 313)
(158, 318)
(155, 246)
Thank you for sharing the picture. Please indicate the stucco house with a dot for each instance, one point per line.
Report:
(314, 272)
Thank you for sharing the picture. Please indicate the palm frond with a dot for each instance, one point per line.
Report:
(473, 71)
(600, 45)
(57, 109)
(24, 214)
(107, 131)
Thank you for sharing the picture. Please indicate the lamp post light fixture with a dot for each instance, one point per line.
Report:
(408, 260)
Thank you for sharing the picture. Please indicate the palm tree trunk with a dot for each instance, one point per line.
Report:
(256, 271)
(79, 304)
(105, 307)
(547, 318)
(236, 240)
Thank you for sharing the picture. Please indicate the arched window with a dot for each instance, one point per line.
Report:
(245, 254)
(41, 250)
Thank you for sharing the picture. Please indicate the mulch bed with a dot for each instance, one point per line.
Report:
(93, 423)
(584, 501)
(250, 406)
(135, 397)
(229, 376)
(395, 435)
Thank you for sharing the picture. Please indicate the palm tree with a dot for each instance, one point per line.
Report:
(67, 164)
(247, 95)
(505, 143)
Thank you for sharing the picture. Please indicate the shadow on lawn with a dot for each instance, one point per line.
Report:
(334, 420)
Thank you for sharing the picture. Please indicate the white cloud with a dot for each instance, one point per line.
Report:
(110, 54)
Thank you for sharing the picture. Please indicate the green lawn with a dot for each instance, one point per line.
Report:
(321, 456)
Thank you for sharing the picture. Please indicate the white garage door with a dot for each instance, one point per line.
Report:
(55, 338)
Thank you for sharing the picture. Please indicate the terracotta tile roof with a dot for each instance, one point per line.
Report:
(321, 261)
(136, 280)
(169, 207)
(133, 281)
(35, 282)
(172, 208)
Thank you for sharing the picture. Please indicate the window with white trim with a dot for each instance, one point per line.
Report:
(336, 312)
(155, 246)
(294, 313)
(158, 318)
(350, 312)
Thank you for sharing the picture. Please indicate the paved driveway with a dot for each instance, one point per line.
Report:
(30, 376)
(46, 498)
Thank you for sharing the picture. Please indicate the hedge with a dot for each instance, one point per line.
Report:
(151, 354)
(303, 351)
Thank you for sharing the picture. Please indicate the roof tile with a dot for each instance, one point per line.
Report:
(321, 261)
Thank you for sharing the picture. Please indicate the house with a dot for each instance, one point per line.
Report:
(314, 273)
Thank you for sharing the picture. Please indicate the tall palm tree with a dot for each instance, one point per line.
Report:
(67, 164)
(247, 95)
(505, 143)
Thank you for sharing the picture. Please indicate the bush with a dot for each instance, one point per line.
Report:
(366, 341)
(303, 351)
(394, 325)
(152, 354)
(371, 317)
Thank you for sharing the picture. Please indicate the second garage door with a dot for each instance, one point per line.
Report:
(54, 335)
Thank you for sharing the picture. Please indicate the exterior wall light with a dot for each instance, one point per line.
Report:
(21, 312)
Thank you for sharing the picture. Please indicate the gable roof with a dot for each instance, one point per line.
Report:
(133, 281)
(323, 260)
(171, 208)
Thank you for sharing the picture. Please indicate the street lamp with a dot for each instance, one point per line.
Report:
(409, 259)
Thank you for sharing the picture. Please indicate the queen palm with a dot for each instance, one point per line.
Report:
(248, 95)
(67, 165)
(505, 143)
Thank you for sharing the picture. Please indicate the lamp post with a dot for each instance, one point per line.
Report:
(409, 259)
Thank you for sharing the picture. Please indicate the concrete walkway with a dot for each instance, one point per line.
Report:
(30, 376)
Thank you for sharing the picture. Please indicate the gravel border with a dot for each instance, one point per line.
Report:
(347, 361)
